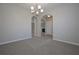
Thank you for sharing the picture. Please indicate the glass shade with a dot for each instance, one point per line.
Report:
(39, 6)
(32, 8)
(41, 10)
(37, 12)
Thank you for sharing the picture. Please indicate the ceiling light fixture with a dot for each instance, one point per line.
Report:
(36, 9)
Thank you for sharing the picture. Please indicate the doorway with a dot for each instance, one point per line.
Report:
(42, 27)
(34, 26)
(47, 26)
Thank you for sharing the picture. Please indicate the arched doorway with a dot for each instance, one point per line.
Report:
(42, 27)
(47, 26)
(34, 25)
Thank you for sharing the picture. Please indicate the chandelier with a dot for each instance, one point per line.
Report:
(36, 10)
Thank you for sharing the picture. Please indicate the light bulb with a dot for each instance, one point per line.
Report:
(32, 8)
(37, 12)
(39, 6)
(41, 10)
(48, 15)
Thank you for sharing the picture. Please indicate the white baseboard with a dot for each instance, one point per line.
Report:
(73, 43)
(13, 41)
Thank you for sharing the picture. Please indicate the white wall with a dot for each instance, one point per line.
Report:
(15, 23)
(66, 22)
(0, 23)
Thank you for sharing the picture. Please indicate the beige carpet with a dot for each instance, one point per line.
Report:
(39, 46)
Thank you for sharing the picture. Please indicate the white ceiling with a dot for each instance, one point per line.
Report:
(48, 7)
(45, 6)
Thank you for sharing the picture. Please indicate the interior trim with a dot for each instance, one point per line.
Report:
(14, 40)
(73, 43)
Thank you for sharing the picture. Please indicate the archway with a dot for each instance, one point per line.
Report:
(47, 26)
(34, 25)
(42, 27)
